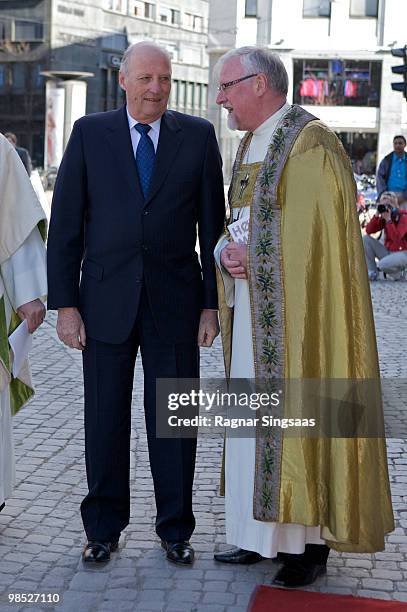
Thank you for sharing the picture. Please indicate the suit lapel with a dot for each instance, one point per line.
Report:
(118, 135)
(169, 142)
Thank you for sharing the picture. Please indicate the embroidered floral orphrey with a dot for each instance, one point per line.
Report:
(267, 301)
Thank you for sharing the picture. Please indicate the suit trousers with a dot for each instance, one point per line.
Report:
(108, 378)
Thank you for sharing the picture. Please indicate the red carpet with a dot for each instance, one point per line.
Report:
(269, 599)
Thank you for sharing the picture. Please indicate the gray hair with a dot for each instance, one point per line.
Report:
(257, 59)
(124, 64)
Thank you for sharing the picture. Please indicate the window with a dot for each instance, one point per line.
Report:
(28, 31)
(38, 77)
(169, 15)
(193, 22)
(188, 20)
(6, 76)
(114, 42)
(18, 76)
(363, 8)
(198, 101)
(172, 49)
(198, 23)
(2, 30)
(191, 55)
(164, 15)
(181, 94)
(317, 8)
(250, 9)
(175, 17)
(190, 97)
(146, 10)
(204, 98)
(173, 95)
(112, 94)
(337, 82)
(116, 5)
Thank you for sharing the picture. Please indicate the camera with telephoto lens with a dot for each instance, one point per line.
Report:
(382, 208)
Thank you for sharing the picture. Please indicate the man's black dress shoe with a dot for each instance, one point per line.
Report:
(181, 553)
(297, 574)
(98, 552)
(239, 556)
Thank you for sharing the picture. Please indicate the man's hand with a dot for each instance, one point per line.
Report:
(234, 258)
(208, 327)
(33, 312)
(70, 328)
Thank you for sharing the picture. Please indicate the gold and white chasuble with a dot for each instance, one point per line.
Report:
(299, 196)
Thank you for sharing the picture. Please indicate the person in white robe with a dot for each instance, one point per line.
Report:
(23, 289)
(293, 223)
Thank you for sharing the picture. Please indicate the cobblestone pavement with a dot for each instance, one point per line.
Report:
(41, 533)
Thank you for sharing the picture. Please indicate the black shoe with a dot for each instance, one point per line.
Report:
(2, 506)
(239, 556)
(181, 553)
(98, 552)
(295, 574)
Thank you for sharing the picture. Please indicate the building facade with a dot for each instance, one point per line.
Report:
(74, 39)
(337, 54)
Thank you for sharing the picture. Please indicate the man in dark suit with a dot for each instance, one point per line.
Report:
(132, 188)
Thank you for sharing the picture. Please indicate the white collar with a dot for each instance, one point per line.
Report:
(155, 125)
(271, 122)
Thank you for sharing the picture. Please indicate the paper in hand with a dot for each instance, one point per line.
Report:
(239, 231)
(20, 341)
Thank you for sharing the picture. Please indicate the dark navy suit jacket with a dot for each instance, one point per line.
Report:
(100, 222)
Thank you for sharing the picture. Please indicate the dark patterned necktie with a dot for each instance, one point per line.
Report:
(145, 157)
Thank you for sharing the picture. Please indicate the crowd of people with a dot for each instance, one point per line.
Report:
(134, 188)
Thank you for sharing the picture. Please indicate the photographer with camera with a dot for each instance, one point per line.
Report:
(392, 255)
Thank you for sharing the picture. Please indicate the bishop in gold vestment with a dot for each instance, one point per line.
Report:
(295, 305)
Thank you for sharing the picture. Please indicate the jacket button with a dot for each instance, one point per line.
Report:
(144, 248)
(145, 212)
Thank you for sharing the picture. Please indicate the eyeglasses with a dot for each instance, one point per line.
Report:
(224, 86)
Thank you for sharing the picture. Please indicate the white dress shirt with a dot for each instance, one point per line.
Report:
(154, 133)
